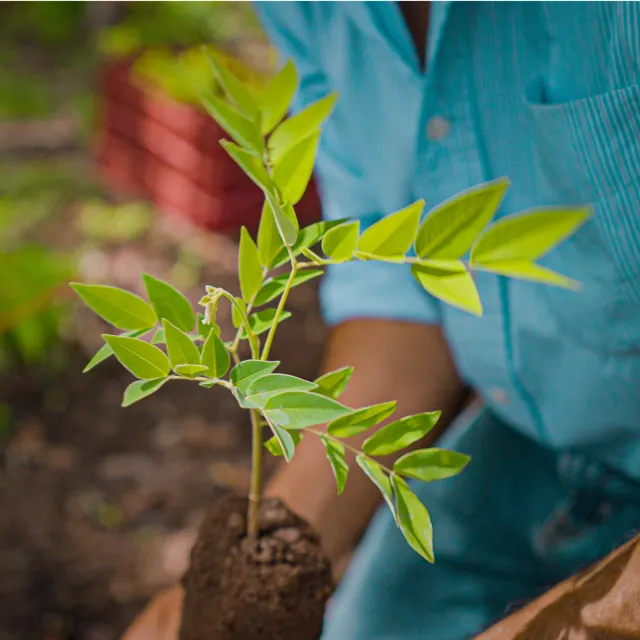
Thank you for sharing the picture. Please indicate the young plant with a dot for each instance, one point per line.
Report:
(278, 155)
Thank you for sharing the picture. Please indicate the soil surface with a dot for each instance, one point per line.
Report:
(100, 505)
(271, 588)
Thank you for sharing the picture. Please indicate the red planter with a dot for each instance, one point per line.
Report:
(168, 152)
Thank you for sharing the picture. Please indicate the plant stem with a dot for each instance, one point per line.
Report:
(280, 308)
(253, 512)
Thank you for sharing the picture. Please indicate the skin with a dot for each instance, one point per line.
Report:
(408, 362)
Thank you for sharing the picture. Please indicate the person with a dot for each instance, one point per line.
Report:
(433, 99)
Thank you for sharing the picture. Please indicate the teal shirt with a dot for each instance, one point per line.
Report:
(546, 93)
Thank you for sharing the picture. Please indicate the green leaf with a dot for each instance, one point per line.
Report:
(307, 237)
(285, 440)
(122, 309)
(274, 287)
(525, 270)
(333, 383)
(169, 303)
(250, 164)
(277, 96)
(335, 454)
(141, 358)
(360, 420)
(394, 234)
(341, 241)
(261, 389)
(180, 348)
(105, 351)
(300, 409)
(207, 384)
(450, 229)
(528, 236)
(235, 90)
(293, 170)
(413, 519)
(241, 129)
(269, 241)
(299, 126)
(377, 475)
(452, 284)
(141, 389)
(272, 445)
(431, 464)
(285, 219)
(261, 321)
(244, 373)
(215, 356)
(249, 267)
(400, 433)
(189, 370)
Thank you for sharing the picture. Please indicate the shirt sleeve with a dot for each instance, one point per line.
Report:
(355, 289)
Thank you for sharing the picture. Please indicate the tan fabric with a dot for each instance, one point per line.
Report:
(603, 603)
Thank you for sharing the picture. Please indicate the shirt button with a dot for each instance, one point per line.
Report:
(438, 128)
(499, 395)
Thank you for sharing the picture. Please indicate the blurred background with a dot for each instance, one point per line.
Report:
(108, 168)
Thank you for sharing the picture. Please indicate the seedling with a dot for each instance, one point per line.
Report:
(442, 249)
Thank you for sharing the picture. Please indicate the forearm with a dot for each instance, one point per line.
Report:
(393, 360)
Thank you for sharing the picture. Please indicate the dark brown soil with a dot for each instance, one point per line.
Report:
(272, 588)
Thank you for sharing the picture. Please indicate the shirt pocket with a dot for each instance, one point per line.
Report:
(588, 152)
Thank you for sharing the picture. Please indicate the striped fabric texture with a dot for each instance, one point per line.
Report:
(545, 93)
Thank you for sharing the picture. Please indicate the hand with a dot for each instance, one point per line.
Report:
(160, 620)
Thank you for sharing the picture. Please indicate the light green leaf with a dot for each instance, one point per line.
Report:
(341, 241)
(300, 409)
(273, 444)
(335, 454)
(261, 321)
(307, 237)
(400, 433)
(449, 230)
(333, 383)
(180, 348)
(122, 309)
(453, 285)
(249, 267)
(275, 286)
(105, 351)
(205, 329)
(241, 129)
(377, 475)
(360, 420)
(285, 440)
(413, 519)
(394, 234)
(189, 370)
(236, 316)
(431, 464)
(285, 218)
(299, 126)
(244, 373)
(293, 170)
(525, 270)
(250, 164)
(261, 389)
(276, 98)
(207, 384)
(215, 356)
(141, 358)
(141, 389)
(169, 303)
(235, 90)
(361, 255)
(269, 241)
(528, 236)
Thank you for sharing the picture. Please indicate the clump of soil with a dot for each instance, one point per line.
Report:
(274, 587)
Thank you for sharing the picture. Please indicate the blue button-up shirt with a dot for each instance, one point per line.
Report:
(546, 93)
